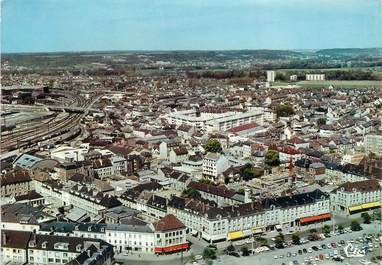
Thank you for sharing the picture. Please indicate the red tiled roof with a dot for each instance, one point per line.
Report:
(15, 177)
(221, 190)
(288, 150)
(169, 222)
(243, 127)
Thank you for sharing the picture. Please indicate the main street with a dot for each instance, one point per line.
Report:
(264, 258)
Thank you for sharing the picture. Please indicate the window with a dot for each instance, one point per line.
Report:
(50, 260)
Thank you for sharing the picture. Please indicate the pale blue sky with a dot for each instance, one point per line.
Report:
(78, 25)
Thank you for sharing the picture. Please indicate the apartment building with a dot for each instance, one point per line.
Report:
(271, 76)
(373, 144)
(195, 118)
(225, 123)
(356, 197)
(32, 248)
(221, 195)
(137, 236)
(166, 235)
(215, 164)
(79, 196)
(15, 183)
(315, 77)
(170, 235)
(238, 221)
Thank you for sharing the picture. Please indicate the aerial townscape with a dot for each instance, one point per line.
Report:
(139, 157)
(187, 156)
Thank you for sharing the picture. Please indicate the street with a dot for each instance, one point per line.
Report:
(268, 257)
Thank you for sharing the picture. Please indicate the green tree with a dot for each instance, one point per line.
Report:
(279, 240)
(296, 238)
(272, 158)
(321, 121)
(214, 146)
(262, 241)
(281, 77)
(366, 218)
(372, 156)
(209, 253)
(313, 230)
(244, 251)
(191, 193)
(326, 230)
(283, 110)
(205, 181)
(355, 226)
(340, 227)
(230, 248)
(377, 215)
(248, 172)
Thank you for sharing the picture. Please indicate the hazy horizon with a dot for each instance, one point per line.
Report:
(44, 26)
(190, 50)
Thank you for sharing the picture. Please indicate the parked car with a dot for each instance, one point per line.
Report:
(234, 254)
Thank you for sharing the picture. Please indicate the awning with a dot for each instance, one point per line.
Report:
(171, 248)
(247, 232)
(371, 205)
(365, 206)
(315, 218)
(355, 208)
(235, 235)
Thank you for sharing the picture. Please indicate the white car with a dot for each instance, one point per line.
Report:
(310, 250)
(276, 257)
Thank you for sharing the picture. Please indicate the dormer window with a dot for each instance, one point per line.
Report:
(43, 245)
(78, 248)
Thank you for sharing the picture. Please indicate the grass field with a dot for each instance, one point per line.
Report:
(334, 83)
(340, 83)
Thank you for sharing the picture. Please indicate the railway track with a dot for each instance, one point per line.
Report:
(49, 129)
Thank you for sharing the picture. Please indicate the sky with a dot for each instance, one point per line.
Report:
(101, 25)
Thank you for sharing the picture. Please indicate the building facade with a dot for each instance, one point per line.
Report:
(356, 197)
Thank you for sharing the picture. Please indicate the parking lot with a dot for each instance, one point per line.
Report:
(311, 257)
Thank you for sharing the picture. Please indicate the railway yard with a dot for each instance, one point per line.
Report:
(26, 125)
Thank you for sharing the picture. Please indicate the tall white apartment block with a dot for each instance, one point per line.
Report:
(270, 76)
